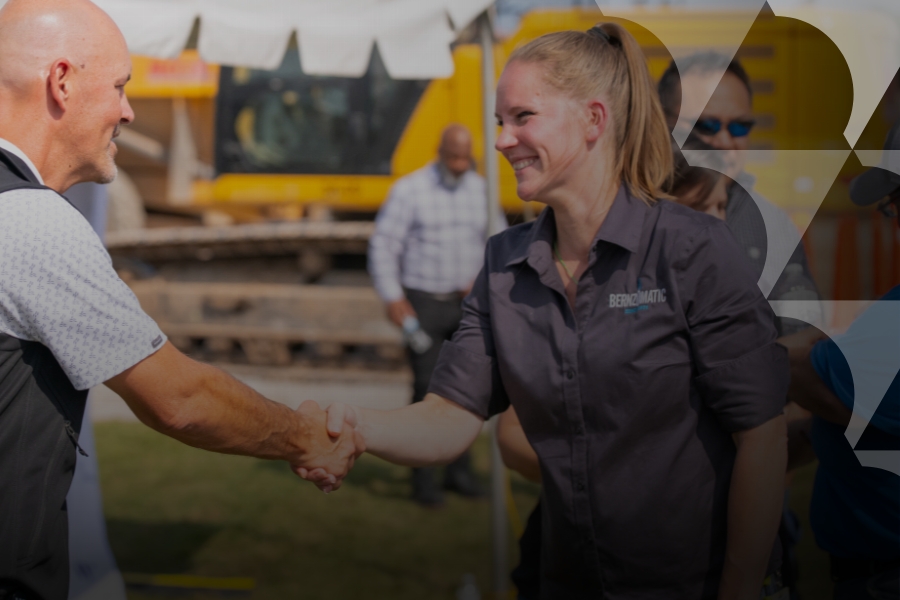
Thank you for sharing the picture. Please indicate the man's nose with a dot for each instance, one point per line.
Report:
(723, 139)
(127, 112)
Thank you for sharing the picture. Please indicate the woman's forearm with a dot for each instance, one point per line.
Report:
(754, 508)
(432, 432)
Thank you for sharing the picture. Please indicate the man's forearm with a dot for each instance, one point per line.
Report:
(205, 407)
(755, 502)
(224, 415)
(434, 431)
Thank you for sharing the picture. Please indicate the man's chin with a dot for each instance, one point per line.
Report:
(108, 176)
(106, 173)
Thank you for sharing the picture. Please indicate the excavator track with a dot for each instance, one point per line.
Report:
(274, 324)
(237, 294)
(233, 241)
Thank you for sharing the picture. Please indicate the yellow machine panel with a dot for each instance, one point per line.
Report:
(186, 77)
(802, 99)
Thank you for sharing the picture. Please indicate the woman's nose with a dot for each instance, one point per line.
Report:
(504, 140)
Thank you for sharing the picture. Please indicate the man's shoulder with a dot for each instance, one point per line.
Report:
(423, 175)
(24, 198)
(41, 213)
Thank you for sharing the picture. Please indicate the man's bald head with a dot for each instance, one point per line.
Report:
(456, 149)
(34, 33)
(63, 68)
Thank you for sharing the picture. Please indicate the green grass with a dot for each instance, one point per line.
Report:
(172, 509)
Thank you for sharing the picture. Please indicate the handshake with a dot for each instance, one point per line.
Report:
(334, 441)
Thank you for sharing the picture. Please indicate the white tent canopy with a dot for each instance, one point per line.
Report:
(335, 37)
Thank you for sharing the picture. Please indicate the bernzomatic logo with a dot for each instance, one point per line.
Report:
(638, 301)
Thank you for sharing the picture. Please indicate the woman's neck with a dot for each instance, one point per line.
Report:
(580, 213)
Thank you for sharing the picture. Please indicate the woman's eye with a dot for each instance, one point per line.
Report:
(524, 114)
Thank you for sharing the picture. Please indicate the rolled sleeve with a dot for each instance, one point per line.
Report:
(467, 372)
(742, 374)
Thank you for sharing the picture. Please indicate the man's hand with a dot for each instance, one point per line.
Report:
(399, 310)
(336, 443)
(204, 407)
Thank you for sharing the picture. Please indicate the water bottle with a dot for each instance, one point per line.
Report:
(469, 588)
(419, 341)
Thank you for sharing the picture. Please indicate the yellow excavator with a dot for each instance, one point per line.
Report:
(274, 177)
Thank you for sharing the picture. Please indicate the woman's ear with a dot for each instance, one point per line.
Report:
(598, 119)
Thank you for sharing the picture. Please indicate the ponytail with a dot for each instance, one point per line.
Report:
(608, 60)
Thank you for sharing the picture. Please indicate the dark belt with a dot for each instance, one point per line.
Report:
(843, 569)
(444, 297)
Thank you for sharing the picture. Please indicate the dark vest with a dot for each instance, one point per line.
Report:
(40, 417)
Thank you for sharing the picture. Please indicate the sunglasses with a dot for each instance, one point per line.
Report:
(738, 128)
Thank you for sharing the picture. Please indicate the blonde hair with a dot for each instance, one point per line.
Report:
(608, 60)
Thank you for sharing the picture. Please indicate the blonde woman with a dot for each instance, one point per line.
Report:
(629, 335)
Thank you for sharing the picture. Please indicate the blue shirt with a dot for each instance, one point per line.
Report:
(855, 510)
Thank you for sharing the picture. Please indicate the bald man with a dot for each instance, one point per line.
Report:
(427, 248)
(68, 323)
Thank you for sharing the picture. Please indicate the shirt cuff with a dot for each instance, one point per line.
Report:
(389, 292)
(124, 359)
(468, 379)
(750, 390)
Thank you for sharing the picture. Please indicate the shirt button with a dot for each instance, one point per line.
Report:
(579, 486)
(570, 374)
(579, 429)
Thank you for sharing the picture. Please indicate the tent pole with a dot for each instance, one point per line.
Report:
(499, 522)
(491, 170)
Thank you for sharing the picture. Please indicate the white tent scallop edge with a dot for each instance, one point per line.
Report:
(335, 38)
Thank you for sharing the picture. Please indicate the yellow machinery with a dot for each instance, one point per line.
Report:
(266, 158)
(282, 140)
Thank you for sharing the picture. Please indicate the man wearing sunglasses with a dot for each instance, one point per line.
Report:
(725, 122)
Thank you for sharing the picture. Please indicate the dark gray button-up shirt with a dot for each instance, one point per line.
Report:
(629, 399)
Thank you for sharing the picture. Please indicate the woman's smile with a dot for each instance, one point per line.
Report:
(520, 165)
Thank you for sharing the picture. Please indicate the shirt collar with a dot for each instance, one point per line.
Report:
(622, 226)
(624, 223)
(13, 149)
(436, 178)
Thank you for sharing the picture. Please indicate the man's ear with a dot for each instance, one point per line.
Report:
(59, 84)
(598, 119)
